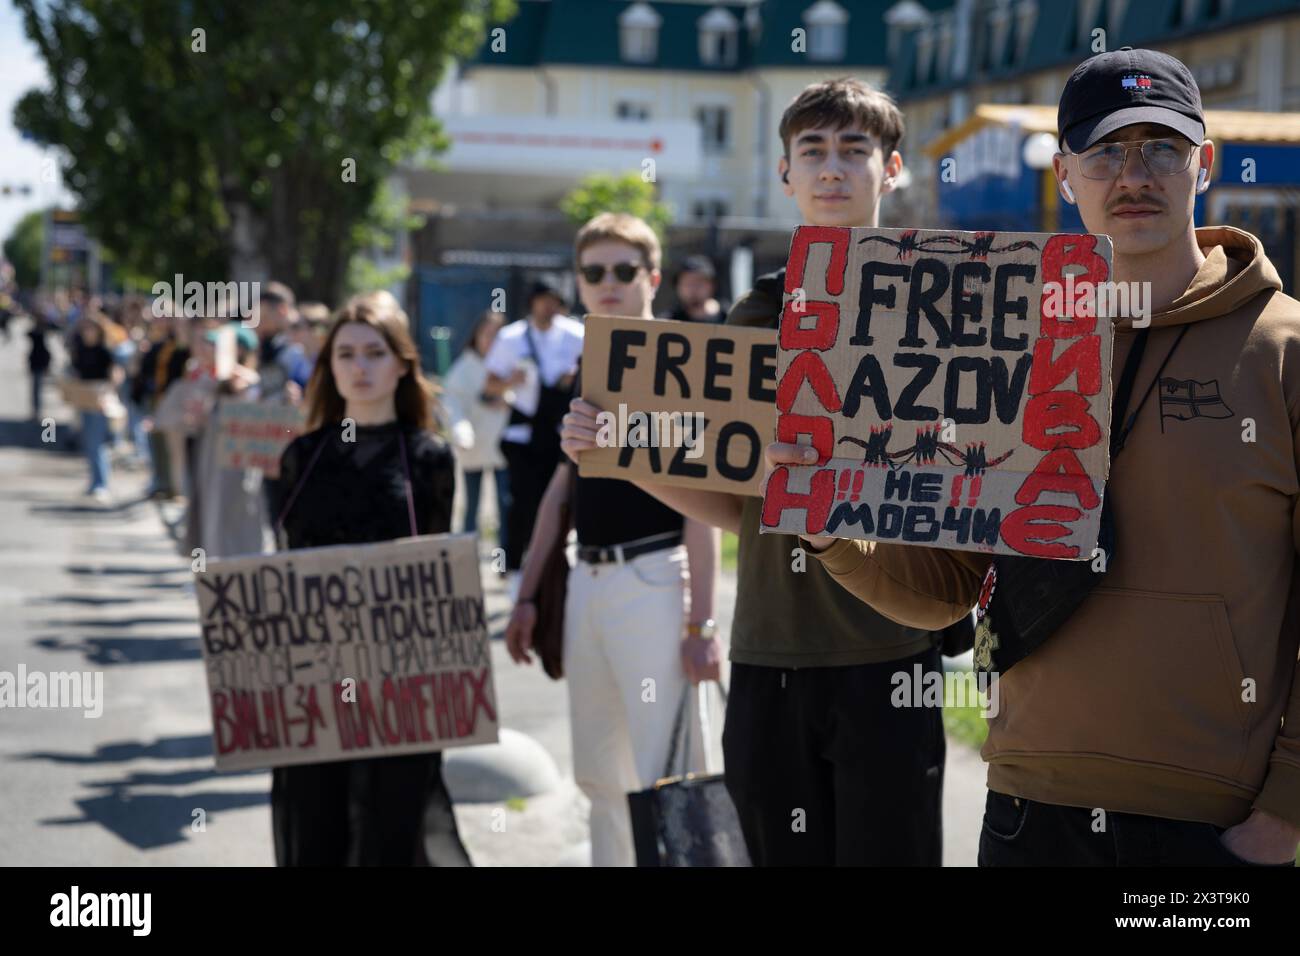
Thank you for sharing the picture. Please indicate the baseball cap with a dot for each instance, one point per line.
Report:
(1126, 86)
(546, 286)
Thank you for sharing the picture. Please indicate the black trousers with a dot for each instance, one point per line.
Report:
(1020, 832)
(531, 469)
(825, 771)
(387, 811)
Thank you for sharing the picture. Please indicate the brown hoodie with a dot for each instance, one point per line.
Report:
(1172, 690)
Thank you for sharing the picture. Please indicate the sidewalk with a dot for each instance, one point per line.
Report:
(101, 588)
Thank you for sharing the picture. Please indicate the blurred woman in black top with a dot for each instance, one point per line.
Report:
(92, 361)
(367, 470)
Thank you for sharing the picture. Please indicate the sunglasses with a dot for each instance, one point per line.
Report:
(1164, 157)
(624, 272)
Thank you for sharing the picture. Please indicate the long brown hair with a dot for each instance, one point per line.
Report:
(380, 311)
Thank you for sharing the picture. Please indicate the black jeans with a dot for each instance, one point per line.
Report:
(385, 811)
(824, 770)
(1020, 832)
(530, 472)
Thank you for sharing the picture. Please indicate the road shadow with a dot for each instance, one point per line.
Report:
(92, 600)
(25, 433)
(111, 651)
(123, 624)
(99, 570)
(150, 821)
(164, 748)
(118, 510)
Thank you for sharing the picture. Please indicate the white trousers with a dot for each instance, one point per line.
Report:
(623, 626)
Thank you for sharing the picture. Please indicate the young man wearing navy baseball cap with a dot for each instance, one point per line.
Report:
(1159, 724)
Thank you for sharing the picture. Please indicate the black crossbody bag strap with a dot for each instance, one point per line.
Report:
(1032, 597)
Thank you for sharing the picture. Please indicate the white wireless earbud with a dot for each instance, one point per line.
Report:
(1069, 193)
(1202, 181)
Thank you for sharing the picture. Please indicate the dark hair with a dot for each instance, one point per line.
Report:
(840, 104)
(697, 264)
(487, 316)
(276, 292)
(380, 311)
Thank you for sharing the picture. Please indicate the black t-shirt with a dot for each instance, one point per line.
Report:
(609, 511)
(91, 362)
(38, 359)
(356, 491)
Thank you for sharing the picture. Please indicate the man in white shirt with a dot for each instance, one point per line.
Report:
(533, 360)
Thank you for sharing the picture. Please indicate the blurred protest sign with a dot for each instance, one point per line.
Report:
(346, 652)
(255, 434)
(185, 406)
(956, 386)
(685, 403)
(92, 396)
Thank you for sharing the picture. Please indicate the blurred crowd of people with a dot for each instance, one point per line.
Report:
(148, 377)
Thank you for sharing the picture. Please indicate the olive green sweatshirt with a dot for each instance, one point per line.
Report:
(789, 611)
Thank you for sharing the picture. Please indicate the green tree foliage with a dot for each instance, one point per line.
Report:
(23, 249)
(602, 192)
(218, 139)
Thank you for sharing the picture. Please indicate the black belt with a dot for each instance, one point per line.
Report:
(626, 552)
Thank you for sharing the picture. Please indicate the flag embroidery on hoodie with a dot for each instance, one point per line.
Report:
(1185, 399)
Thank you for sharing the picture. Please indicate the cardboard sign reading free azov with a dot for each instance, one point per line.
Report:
(346, 652)
(956, 386)
(687, 403)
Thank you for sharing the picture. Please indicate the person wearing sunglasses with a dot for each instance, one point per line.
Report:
(1160, 723)
(639, 604)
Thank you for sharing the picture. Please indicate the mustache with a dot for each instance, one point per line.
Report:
(1125, 202)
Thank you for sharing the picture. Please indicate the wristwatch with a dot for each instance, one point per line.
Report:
(706, 630)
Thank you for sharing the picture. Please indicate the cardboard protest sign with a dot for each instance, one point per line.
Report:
(185, 406)
(956, 386)
(688, 403)
(255, 434)
(87, 395)
(346, 652)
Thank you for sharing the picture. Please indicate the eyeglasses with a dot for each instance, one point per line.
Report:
(624, 272)
(1163, 157)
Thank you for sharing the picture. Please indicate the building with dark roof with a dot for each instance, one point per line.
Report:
(960, 69)
(571, 87)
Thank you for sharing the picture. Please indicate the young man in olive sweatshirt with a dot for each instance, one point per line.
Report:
(822, 768)
(1160, 724)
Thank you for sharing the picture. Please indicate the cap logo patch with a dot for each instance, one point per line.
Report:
(1136, 81)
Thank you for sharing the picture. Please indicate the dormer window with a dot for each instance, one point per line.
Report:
(719, 37)
(999, 30)
(1026, 17)
(827, 24)
(638, 33)
(924, 56)
(943, 56)
(754, 24)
